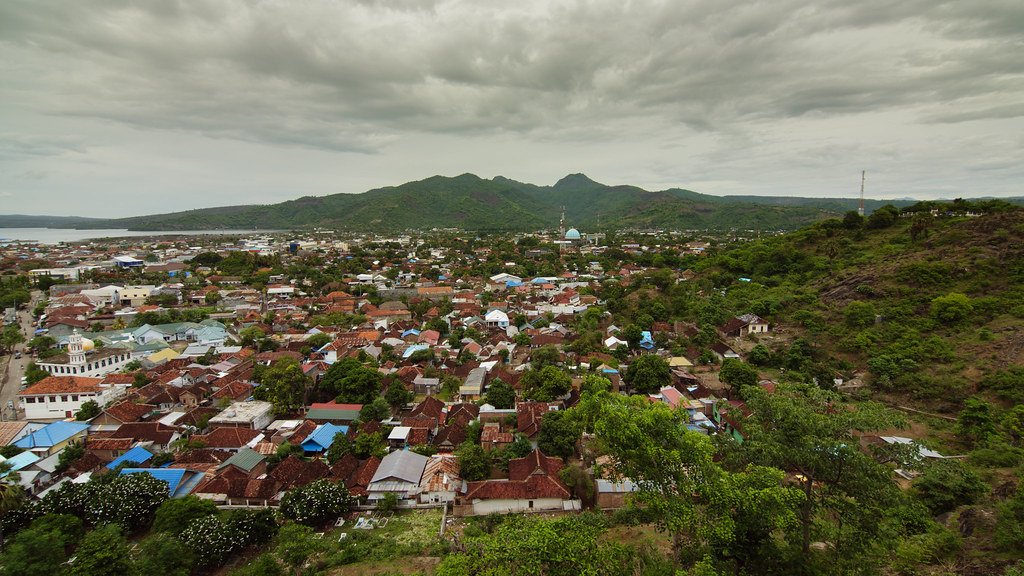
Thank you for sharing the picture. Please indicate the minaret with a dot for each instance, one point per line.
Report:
(561, 224)
(76, 353)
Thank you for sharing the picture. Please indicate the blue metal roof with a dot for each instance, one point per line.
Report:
(414, 349)
(51, 435)
(138, 454)
(410, 331)
(322, 437)
(173, 476)
(20, 461)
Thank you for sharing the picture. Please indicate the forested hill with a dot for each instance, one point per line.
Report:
(474, 203)
(924, 308)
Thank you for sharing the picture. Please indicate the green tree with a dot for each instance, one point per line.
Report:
(372, 444)
(474, 461)
(738, 374)
(33, 373)
(318, 340)
(975, 424)
(251, 336)
(340, 446)
(284, 385)
(40, 549)
(375, 411)
(175, 514)
(546, 384)
(812, 434)
(1009, 533)
(10, 336)
(315, 503)
(952, 308)
(852, 220)
(760, 355)
(103, 552)
(558, 434)
(544, 356)
(648, 374)
(89, 410)
(397, 396)
(297, 545)
(883, 217)
(351, 382)
(1013, 424)
(651, 445)
(500, 394)
(163, 555)
(946, 484)
(68, 456)
(859, 314)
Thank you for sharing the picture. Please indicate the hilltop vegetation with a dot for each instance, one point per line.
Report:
(473, 203)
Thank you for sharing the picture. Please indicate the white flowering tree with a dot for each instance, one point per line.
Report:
(316, 502)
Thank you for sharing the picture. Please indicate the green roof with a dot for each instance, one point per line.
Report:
(246, 459)
(331, 414)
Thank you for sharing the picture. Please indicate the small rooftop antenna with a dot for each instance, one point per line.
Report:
(860, 209)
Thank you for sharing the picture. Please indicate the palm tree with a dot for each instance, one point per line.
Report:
(11, 493)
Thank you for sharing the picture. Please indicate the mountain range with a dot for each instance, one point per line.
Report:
(473, 203)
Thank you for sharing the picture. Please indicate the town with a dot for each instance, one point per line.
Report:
(344, 382)
(214, 361)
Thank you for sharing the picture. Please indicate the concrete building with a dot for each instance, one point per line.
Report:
(58, 397)
(84, 359)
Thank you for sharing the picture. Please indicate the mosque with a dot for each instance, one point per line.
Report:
(572, 238)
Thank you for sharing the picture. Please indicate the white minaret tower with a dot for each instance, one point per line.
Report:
(76, 353)
(561, 224)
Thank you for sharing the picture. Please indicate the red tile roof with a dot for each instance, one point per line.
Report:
(63, 385)
(227, 437)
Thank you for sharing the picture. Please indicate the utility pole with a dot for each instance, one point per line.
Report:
(860, 210)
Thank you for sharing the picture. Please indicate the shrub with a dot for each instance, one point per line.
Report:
(315, 503)
(946, 484)
(176, 514)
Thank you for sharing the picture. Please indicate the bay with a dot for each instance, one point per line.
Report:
(58, 235)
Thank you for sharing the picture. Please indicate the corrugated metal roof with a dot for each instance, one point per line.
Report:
(246, 459)
(138, 454)
(322, 437)
(403, 465)
(51, 434)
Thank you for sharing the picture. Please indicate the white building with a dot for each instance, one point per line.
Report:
(59, 397)
(254, 414)
(496, 319)
(84, 359)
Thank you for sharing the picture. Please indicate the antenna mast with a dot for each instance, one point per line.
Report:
(860, 209)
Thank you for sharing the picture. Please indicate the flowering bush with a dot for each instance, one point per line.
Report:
(128, 501)
(316, 502)
(214, 538)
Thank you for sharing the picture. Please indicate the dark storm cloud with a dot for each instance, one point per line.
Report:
(326, 74)
(661, 82)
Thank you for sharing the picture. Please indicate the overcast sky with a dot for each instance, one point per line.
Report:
(123, 108)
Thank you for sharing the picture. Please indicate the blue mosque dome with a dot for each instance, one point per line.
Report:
(572, 234)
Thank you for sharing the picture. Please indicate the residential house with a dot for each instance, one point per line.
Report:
(53, 437)
(399, 473)
(533, 484)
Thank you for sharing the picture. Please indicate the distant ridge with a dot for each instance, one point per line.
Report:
(473, 203)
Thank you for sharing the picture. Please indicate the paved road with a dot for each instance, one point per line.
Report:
(11, 384)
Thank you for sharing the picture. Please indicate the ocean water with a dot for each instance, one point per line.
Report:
(57, 235)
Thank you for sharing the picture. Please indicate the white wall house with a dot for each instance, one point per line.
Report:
(59, 397)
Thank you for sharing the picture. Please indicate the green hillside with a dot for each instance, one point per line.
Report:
(474, 203)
